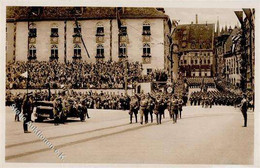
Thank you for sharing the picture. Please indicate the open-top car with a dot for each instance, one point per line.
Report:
(45, 110)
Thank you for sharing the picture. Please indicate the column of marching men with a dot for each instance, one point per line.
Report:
(148, 104)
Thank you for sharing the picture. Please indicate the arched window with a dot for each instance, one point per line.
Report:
(77, 51)
(32, 30)
(54, 51)
(100, 29)
(146, 50)
(100, 51)
(32, 52)
(122, 50)
(146, 28)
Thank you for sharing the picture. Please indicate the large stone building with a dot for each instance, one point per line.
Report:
(53, 33)
(232, 57)
(195, 46)
(220, 40)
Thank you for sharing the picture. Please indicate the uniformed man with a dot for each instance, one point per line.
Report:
(157, 108)
(85, 106)
(174, 109)
(143, 107)
(244, 107)
(180, 103)
(27, 111)
(150, 107)
(134, 106)
(146, 112)
(18, 102)
(57, 109)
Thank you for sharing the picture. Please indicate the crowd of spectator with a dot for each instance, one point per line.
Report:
(77, 75)
(94, 100)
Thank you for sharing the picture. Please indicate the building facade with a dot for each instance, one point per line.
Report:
(195, 47)
(49, 33)
(232, 57)
(246, 18)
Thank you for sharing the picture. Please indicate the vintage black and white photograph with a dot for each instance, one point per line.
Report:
(129, 85)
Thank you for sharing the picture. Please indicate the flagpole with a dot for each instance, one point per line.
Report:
(76, 22)
(28, 53)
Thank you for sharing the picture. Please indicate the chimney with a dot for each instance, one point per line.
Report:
(196, 18)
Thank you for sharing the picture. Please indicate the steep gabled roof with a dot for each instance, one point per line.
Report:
(68, 13)
(195, 36)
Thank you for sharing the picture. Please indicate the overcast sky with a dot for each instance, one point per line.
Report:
(187, 15)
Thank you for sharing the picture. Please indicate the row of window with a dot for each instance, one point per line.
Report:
(99, 31)
(196, 62)
(198, 54)
(99, 51)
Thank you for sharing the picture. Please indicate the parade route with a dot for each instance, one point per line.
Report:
(202, 136)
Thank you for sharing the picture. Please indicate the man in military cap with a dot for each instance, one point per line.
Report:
(134, 105)
(85, 106)
(18, 102)
(244, 107)
(180, 104)
(57, 109)
(150, 107)
(143, 107)
(27, 111)
(157, 108)
(174, 109)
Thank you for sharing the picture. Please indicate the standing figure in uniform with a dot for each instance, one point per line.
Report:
(18, 102)
(27, 111)
(57, 109)
(244, 107)
(157, 108)
(150, 107)
(143, 107)
(174, 109)
(180, 103)
(134, 106)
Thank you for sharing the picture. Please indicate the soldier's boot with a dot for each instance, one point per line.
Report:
(87, 115)
(131, 117)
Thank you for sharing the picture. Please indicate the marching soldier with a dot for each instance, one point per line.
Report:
(134, 106)
(180, 102)
(27, 111)
(175, 109)
(150, 107)
(143, 107)
(158, 108)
